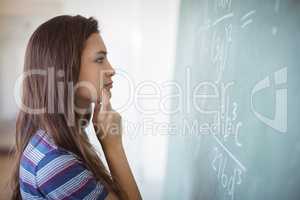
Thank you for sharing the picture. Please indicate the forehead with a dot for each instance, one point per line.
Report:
(94, 43)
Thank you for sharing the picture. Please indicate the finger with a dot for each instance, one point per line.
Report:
(106, 106)
(97, 105)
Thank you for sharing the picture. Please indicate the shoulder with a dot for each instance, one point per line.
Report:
(60, 175)
(57, 173)
(38, 146)
(56, 165)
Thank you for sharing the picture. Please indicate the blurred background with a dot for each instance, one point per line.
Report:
(140, 39)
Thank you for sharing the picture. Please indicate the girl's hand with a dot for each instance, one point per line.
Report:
(107, 122)
(108, 129)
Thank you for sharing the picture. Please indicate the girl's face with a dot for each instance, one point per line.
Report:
(95, 71)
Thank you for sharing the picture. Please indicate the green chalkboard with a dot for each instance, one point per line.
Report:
(238, 127)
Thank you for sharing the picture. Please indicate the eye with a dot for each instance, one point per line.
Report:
(100, 59)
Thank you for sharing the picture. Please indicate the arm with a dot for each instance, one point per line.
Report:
(120, 170)
(109, 132)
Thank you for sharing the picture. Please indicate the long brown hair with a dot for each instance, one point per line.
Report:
(56, 45)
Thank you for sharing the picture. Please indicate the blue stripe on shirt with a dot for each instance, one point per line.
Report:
(58, 174)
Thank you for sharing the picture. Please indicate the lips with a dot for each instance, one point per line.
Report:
(109, 85)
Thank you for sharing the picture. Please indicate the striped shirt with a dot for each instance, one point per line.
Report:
(50, 172)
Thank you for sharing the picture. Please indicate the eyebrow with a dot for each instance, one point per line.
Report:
(102, 52)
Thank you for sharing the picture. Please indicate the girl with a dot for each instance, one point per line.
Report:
(65, 71)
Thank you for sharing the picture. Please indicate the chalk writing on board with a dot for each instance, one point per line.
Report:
(222, 4)
(226, 126)
(229, 179)
(246, 19)
(219, 51)
(229, 15)
(226, 122)
(230, 154)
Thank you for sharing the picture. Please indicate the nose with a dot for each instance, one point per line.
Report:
(110, 71)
